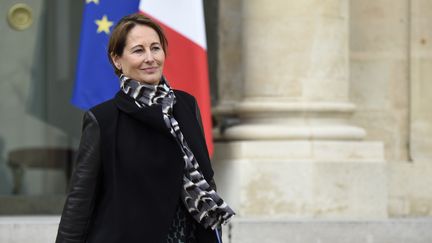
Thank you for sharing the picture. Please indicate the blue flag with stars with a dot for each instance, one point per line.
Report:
(95, 79)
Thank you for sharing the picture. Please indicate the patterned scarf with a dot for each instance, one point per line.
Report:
(202, 202)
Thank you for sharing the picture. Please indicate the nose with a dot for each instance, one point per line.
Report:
(148, 58)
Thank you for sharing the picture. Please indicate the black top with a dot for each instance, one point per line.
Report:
(183, 227)
(128, 176)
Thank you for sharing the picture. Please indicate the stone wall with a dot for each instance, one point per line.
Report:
(379, 62)
(410, 191)
(386, 79)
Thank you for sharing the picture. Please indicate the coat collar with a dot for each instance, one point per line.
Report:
(151, 115)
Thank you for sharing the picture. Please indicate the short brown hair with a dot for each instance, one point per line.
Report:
(117, 41)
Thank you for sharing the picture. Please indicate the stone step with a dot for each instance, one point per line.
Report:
(30, 229)
(329, 231)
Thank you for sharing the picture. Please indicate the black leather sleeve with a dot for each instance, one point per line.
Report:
(79, 203)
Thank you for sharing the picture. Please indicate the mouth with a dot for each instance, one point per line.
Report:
(150, 70)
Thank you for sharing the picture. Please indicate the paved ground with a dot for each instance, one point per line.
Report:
(35, 229)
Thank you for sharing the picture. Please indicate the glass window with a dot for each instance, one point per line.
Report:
(40, 128)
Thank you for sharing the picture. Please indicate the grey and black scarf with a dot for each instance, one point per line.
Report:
(202, 202)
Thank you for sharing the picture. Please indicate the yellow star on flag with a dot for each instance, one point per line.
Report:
(94, 1)
(103, 25)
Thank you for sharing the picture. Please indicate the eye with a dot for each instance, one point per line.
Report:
(155, 48)
(137, 51)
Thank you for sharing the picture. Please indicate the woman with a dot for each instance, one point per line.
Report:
(143, 173)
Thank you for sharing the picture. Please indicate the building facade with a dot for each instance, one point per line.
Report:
(323, 117)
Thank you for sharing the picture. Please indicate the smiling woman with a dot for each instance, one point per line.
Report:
(143, 56)
(138, 49)
(143, 171)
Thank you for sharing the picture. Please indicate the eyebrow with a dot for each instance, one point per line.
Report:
(135, 46)
(155, 43)
(139, 45)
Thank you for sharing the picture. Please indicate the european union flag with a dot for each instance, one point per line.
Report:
(95, 79)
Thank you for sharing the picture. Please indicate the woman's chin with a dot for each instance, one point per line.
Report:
(150, 80)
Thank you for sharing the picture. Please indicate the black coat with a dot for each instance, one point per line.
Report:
(128, 176)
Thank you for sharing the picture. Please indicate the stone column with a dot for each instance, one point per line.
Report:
(421, 87)
(294, 152)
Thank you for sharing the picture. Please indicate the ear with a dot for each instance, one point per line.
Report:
(116, 60)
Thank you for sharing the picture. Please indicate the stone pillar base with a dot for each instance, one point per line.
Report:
(253, 230)
(321, 179)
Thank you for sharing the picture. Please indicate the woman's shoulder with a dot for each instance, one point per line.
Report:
(184, 95)
(104, 110)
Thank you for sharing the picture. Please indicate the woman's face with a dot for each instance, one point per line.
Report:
(143, 57)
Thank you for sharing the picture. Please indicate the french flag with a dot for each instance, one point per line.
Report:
(186, 64)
